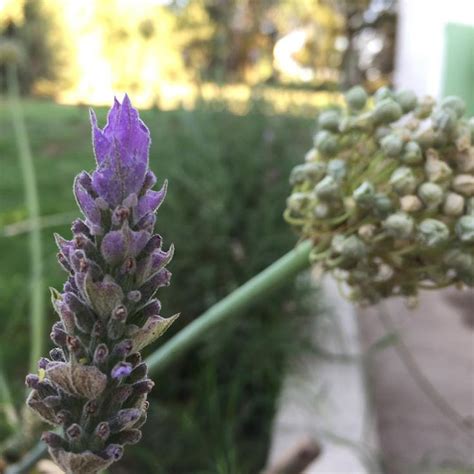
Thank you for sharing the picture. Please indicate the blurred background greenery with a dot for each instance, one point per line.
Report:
(231, 88)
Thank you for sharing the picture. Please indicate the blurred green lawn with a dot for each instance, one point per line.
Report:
(228, 178)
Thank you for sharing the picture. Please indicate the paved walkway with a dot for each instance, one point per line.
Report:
(420, 374)
(424, 419)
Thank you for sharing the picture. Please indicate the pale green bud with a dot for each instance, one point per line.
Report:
(464, 184)
(412, 154)
(297, 202)
(327, 188)
(465, 161)
(382, 205)
(437, 170)
(311, 155)
(456, 104)
(444, 120)
(407, 100)
(424, 108)
(386, 111)
(312, 172)
(410, 203)
(465, 229)
(329, 120)
(392, 145)
(463, 263)
(322, 210)
(326, 143)
(399, 225)
(383, 93)
(353, 248)
(432, 232)
(431, 194)
(425, 137)
(337, 169)
(356, 98)
(364, 194)
(453, 204)
(366, 232)
(403, 180)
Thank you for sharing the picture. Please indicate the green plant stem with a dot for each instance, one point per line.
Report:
(270, 279)
(32, 204)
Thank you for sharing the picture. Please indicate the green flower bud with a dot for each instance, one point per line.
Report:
(403, 180)
(337, 169)
(383, 93)
(432, 232)
(437, 171)
(463, 263)
(311, 155)
(364, 194)
(329, 120)
(312, 172)
(465, 229)
(356, 98)
(453, 205)
(412, 154)
(399, 225)
(326, 143)
(424, 108)
(327, 188)
(444, 120)
(353, 248)
(425, 137)
(366, 232)
(407, 100)
(410, 203)
(383, 205)
(386, 111)
(297, 202)
(455, 104)
(322, 210)
(431, 194)
(392, 145)
(465, 161)
(464, 184)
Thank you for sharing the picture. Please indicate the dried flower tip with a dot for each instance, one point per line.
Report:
(32, 381)
(53, 440)
(74, 432)
(101, 353)
(102, 431)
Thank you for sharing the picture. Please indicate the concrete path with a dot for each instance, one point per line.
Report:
(423, 384)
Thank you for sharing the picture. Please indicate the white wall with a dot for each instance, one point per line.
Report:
(420, 39)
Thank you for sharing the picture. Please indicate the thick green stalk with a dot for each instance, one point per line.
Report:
(270, 279)
(32, 205)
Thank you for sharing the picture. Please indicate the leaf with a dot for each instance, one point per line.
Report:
(78, 380)
(154, 327)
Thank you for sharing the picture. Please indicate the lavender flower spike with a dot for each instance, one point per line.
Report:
(94, 384)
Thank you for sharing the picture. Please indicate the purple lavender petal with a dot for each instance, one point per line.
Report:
(121, 150)
(119, 244)
(121, 369)
(87, 203)
(114, 247)
(150, 202)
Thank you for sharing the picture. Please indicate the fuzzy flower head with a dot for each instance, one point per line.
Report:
(387, 194)
(94, 384)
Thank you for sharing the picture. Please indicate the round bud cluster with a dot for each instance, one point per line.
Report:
(387, 194)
